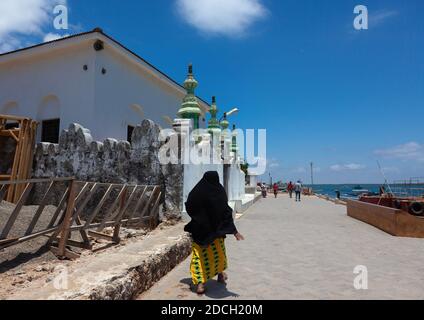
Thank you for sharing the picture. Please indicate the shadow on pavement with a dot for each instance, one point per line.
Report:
(214, 289)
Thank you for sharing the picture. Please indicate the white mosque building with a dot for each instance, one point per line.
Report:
(90, 79)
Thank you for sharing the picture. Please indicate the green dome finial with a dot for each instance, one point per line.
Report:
(234, 147)
(213, 123)
(190, 107)
(224, 123)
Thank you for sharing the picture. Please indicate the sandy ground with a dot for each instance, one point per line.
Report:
(307, 250)
(31, 250)
(22, 264)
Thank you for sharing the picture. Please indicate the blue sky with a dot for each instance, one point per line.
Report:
(324, 91)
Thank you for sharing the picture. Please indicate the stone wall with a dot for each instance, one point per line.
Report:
(111, 161)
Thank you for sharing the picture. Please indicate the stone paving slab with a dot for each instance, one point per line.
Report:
(307, 250)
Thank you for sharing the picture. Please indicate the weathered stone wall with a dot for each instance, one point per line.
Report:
(111, 161)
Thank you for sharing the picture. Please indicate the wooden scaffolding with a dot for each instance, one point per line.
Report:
(23, 131)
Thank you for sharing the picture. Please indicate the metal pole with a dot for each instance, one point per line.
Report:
(312, 173)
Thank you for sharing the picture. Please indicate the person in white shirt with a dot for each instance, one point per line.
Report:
(298, 190)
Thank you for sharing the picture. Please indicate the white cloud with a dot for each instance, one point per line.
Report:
(348, 166)
(381, 17)
(53, 36)
(20, 18)
(222, 17)
(407, 151)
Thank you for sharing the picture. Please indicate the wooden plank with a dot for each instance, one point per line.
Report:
(84, 189)
(82, 232)
(78, 244)
(108, 224)
(30, 147)
(16, 211)
(138, 204)
(155, 212)
(109, 213)
(3, 192)
(7, 241)
(99, 206)
(23, 140)
(9, 117)
(15, 166)
(64, 253)
(39, 210)
(10, 133)
(13, 135)
(67, 220)
(30, 237)
(122, 208)
(36, 181)
(146, 207)
(78, 198)
(126, 205)
(85, 202)
(59, 208)
(100, 235)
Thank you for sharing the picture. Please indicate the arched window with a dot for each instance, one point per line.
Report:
(48, 115)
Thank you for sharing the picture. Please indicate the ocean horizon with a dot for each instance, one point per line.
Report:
(344, 188)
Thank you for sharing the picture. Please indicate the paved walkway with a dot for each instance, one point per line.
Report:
(307, 250)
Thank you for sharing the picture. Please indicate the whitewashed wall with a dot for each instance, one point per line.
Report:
(49, 81)
(236, 183)
(124, 85)
(46, 86)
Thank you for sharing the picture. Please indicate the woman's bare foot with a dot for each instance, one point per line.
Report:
(222, 278)
(200, 288)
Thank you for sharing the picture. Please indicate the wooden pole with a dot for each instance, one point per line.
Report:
(15, 164)
(67, 220)
(117, 228)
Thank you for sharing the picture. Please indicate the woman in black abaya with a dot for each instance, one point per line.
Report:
(211, 221)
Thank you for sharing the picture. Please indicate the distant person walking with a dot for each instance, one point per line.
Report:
(211, 220)
(290, 188)
(298, 190)
(264, 191)
(338, 194)
(275, 187)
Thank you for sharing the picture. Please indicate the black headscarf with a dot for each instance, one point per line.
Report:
(211, 216)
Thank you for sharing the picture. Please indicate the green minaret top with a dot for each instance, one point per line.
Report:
(234, 147)
(224, 123)
(190, 107)
(213, 123)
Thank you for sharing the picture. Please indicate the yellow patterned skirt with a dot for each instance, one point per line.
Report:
(207, 262)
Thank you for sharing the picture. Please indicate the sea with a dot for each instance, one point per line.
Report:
(345, 189)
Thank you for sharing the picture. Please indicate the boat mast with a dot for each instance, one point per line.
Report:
(384, 176)
(312, 173)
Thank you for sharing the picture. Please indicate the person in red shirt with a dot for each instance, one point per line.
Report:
(275, 187)
(290, 188)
